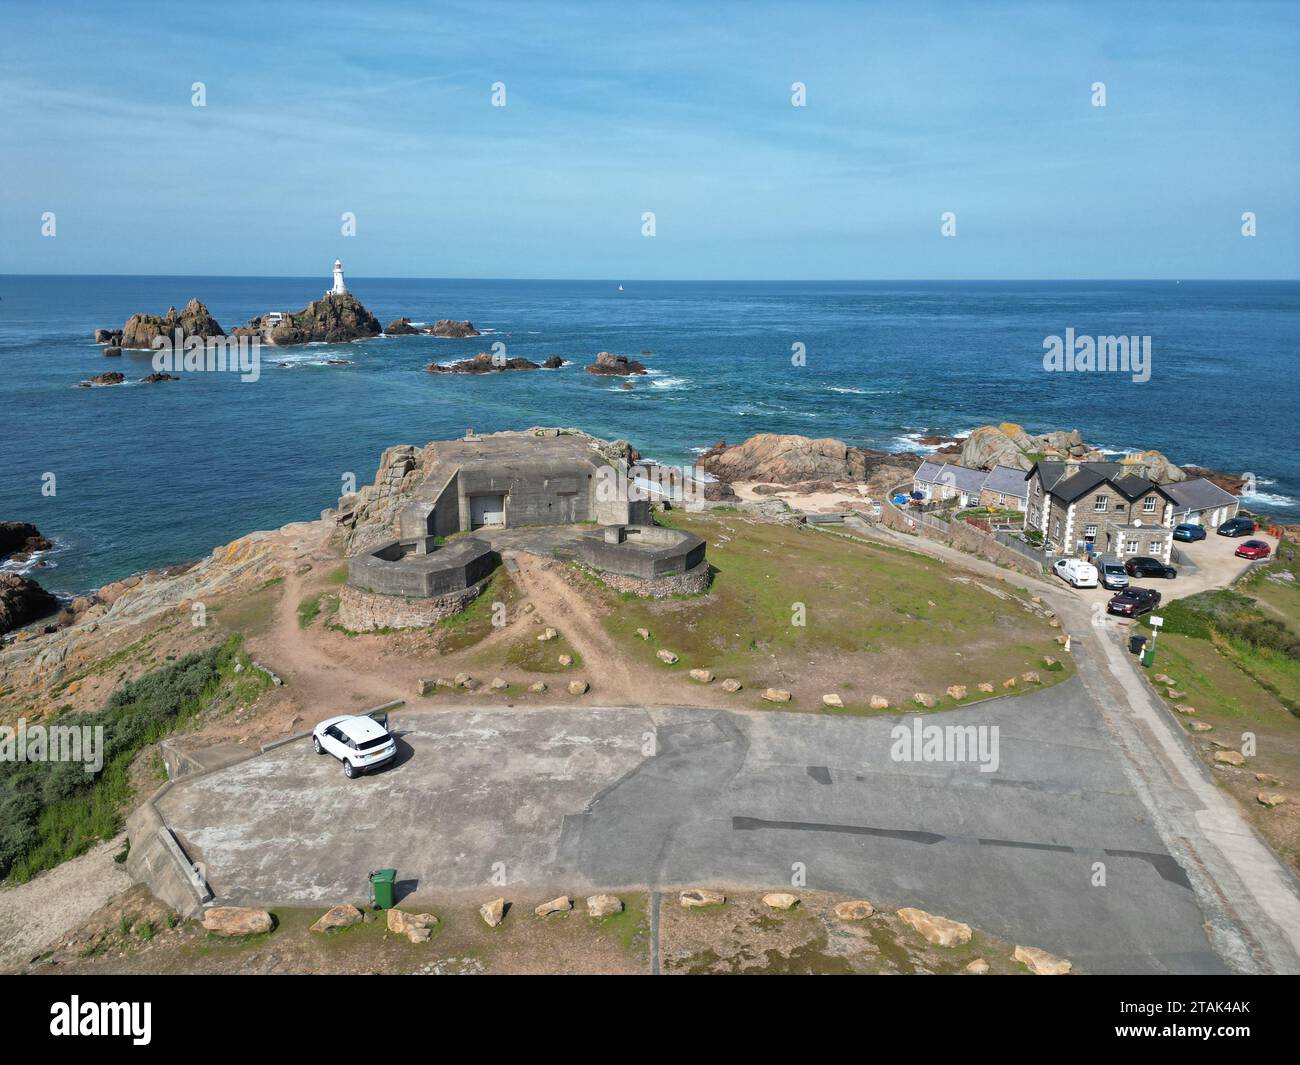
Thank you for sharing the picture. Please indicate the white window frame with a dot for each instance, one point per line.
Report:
(1149, 505)
(1099, 504)
(1090, 532)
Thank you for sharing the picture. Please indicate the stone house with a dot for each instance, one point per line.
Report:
(937, 481)
(1107, 507)
(1202, 502)
(1004, 487)
(1001, 486)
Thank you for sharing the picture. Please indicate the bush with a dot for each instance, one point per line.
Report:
(1231, 615)
(53, 811)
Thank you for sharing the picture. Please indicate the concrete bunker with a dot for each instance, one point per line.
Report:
(489, 484)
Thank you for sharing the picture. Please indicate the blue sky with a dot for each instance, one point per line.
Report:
(982, 109)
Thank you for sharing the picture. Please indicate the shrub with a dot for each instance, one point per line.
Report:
(53, 811)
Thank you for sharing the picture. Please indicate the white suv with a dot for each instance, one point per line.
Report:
(359, 742)
(1076, 572)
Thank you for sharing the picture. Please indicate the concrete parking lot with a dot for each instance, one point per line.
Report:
(1053, 849)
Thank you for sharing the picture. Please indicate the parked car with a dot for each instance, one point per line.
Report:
(1253, 549)
(1237, 527)
(359, 742)
(1145, 566)
(1111, 571)
(1133, 602)
(1189, 531)
(1076, 572)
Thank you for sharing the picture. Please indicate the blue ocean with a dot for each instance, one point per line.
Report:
(149, 475)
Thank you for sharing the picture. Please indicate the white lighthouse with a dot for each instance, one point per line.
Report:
(339, 289)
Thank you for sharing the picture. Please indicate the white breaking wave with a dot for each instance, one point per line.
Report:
(1269, 499)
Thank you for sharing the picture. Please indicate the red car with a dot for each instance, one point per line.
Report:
(1253, 549)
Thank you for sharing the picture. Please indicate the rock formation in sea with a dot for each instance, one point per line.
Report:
(153, 378)
(449, 327)
(110, 378)
(22, 600)
(140, 329)
(400, 327)
(19, 540)
(332, 319)
(483, 362)
(615, 365)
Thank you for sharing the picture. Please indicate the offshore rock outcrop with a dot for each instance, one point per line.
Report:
(485, 362)
(141, 329)
(330, 319)
(101, 379)
(449, 327)
(615, 365)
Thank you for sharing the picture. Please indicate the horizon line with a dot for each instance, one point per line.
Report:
(696, 280)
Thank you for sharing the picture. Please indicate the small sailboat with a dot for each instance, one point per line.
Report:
(620, 288)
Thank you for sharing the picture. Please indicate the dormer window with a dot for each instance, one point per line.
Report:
(1149, 505)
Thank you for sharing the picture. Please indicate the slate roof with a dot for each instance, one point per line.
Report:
(963, 478)
(1198, 494)
(1091, 474)
(1007, 480)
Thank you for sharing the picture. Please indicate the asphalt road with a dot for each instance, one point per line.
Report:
(629, 797)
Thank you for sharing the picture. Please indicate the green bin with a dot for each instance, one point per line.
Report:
(381, 888)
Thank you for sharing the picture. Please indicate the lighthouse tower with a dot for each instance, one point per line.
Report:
(339, 289)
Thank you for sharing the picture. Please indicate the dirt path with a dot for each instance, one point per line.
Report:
(568, 610)
(35, 914)
(321, 680)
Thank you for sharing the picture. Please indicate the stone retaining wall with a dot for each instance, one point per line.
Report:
(962, 536)
(366, 611)
(692, 582)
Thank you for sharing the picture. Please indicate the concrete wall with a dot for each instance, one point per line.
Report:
(561, 496)
(393, 568)
(648, 552)
(157, 860)
(446, 514)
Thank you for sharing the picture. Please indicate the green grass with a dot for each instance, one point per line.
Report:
(865, 606)
(474, 623)
(309, 610)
